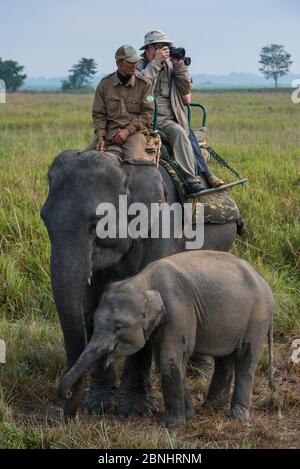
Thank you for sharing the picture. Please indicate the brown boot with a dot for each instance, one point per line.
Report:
(214, 181)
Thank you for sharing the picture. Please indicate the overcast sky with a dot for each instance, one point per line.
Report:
(48, 36)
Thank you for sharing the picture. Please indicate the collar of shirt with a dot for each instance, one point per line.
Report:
(117, 81)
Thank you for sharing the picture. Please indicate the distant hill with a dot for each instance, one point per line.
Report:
(239, 80)
(48, 84)
(42, 84)
(232, 80)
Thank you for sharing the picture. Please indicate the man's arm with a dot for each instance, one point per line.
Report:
(182, 78)
(99, 112)
(145, 119)
(151, 70)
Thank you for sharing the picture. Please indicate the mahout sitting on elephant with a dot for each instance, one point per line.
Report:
(212, 302)
(82, 264)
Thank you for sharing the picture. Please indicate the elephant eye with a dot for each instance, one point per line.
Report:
(120, 325)
(93, 228)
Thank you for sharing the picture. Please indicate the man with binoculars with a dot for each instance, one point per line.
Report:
(167, 67)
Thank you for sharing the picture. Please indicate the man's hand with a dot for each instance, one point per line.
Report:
(100, 144)
(121, 136)
(163, 54)
(176, 61)
(187, 98)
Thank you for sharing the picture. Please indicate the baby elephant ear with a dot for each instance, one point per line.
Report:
(155, 313)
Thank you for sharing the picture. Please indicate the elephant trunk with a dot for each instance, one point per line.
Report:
(97, 348)
(70, 270)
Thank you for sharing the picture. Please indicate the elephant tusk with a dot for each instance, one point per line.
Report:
(89, 281)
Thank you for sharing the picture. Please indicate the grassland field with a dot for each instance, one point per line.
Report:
(259, 134)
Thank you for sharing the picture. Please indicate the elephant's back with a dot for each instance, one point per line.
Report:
(203, 262)
(216, 281)
(217, 276)
(227, 294)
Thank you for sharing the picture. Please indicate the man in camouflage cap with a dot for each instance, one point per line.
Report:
(123, 108)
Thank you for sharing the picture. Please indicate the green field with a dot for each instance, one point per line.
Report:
(259, 134)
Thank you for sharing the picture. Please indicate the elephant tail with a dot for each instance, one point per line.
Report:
(271, 381)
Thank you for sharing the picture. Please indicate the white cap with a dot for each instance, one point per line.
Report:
(154, 37)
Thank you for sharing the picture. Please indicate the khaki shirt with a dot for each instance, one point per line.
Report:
(118, 106)
(181, 85)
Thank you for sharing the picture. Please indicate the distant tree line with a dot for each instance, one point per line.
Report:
(274, 63)
(79, 79)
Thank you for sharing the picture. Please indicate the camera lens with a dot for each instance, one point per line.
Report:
(177, 53)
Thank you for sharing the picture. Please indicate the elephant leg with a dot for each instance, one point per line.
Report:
(189, 408)
(102, 395)
(74, 338)
(201, 366)
(244, 375)
(177, 398)
(219, 389)
(246, 358)
(135, 391)
(71, 405)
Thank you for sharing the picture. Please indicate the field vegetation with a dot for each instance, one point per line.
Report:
(259, 134)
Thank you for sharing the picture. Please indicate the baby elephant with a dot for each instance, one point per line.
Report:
(205, 301)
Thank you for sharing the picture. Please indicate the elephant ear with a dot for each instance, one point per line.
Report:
(156, 314)
(144, 186)
(144, 183)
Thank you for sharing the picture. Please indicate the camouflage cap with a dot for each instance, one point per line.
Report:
(128, 53)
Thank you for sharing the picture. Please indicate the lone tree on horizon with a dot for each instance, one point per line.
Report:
(80, 75)
(10, 73)
(275, 62)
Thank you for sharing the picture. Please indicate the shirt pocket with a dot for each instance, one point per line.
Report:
(113, 105)
(134, 106)
(164, 88)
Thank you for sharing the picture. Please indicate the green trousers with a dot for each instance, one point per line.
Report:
(180, 144)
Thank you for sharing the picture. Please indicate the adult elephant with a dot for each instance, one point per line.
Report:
(82, 264)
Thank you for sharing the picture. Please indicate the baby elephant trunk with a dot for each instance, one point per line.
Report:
(93, 352)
